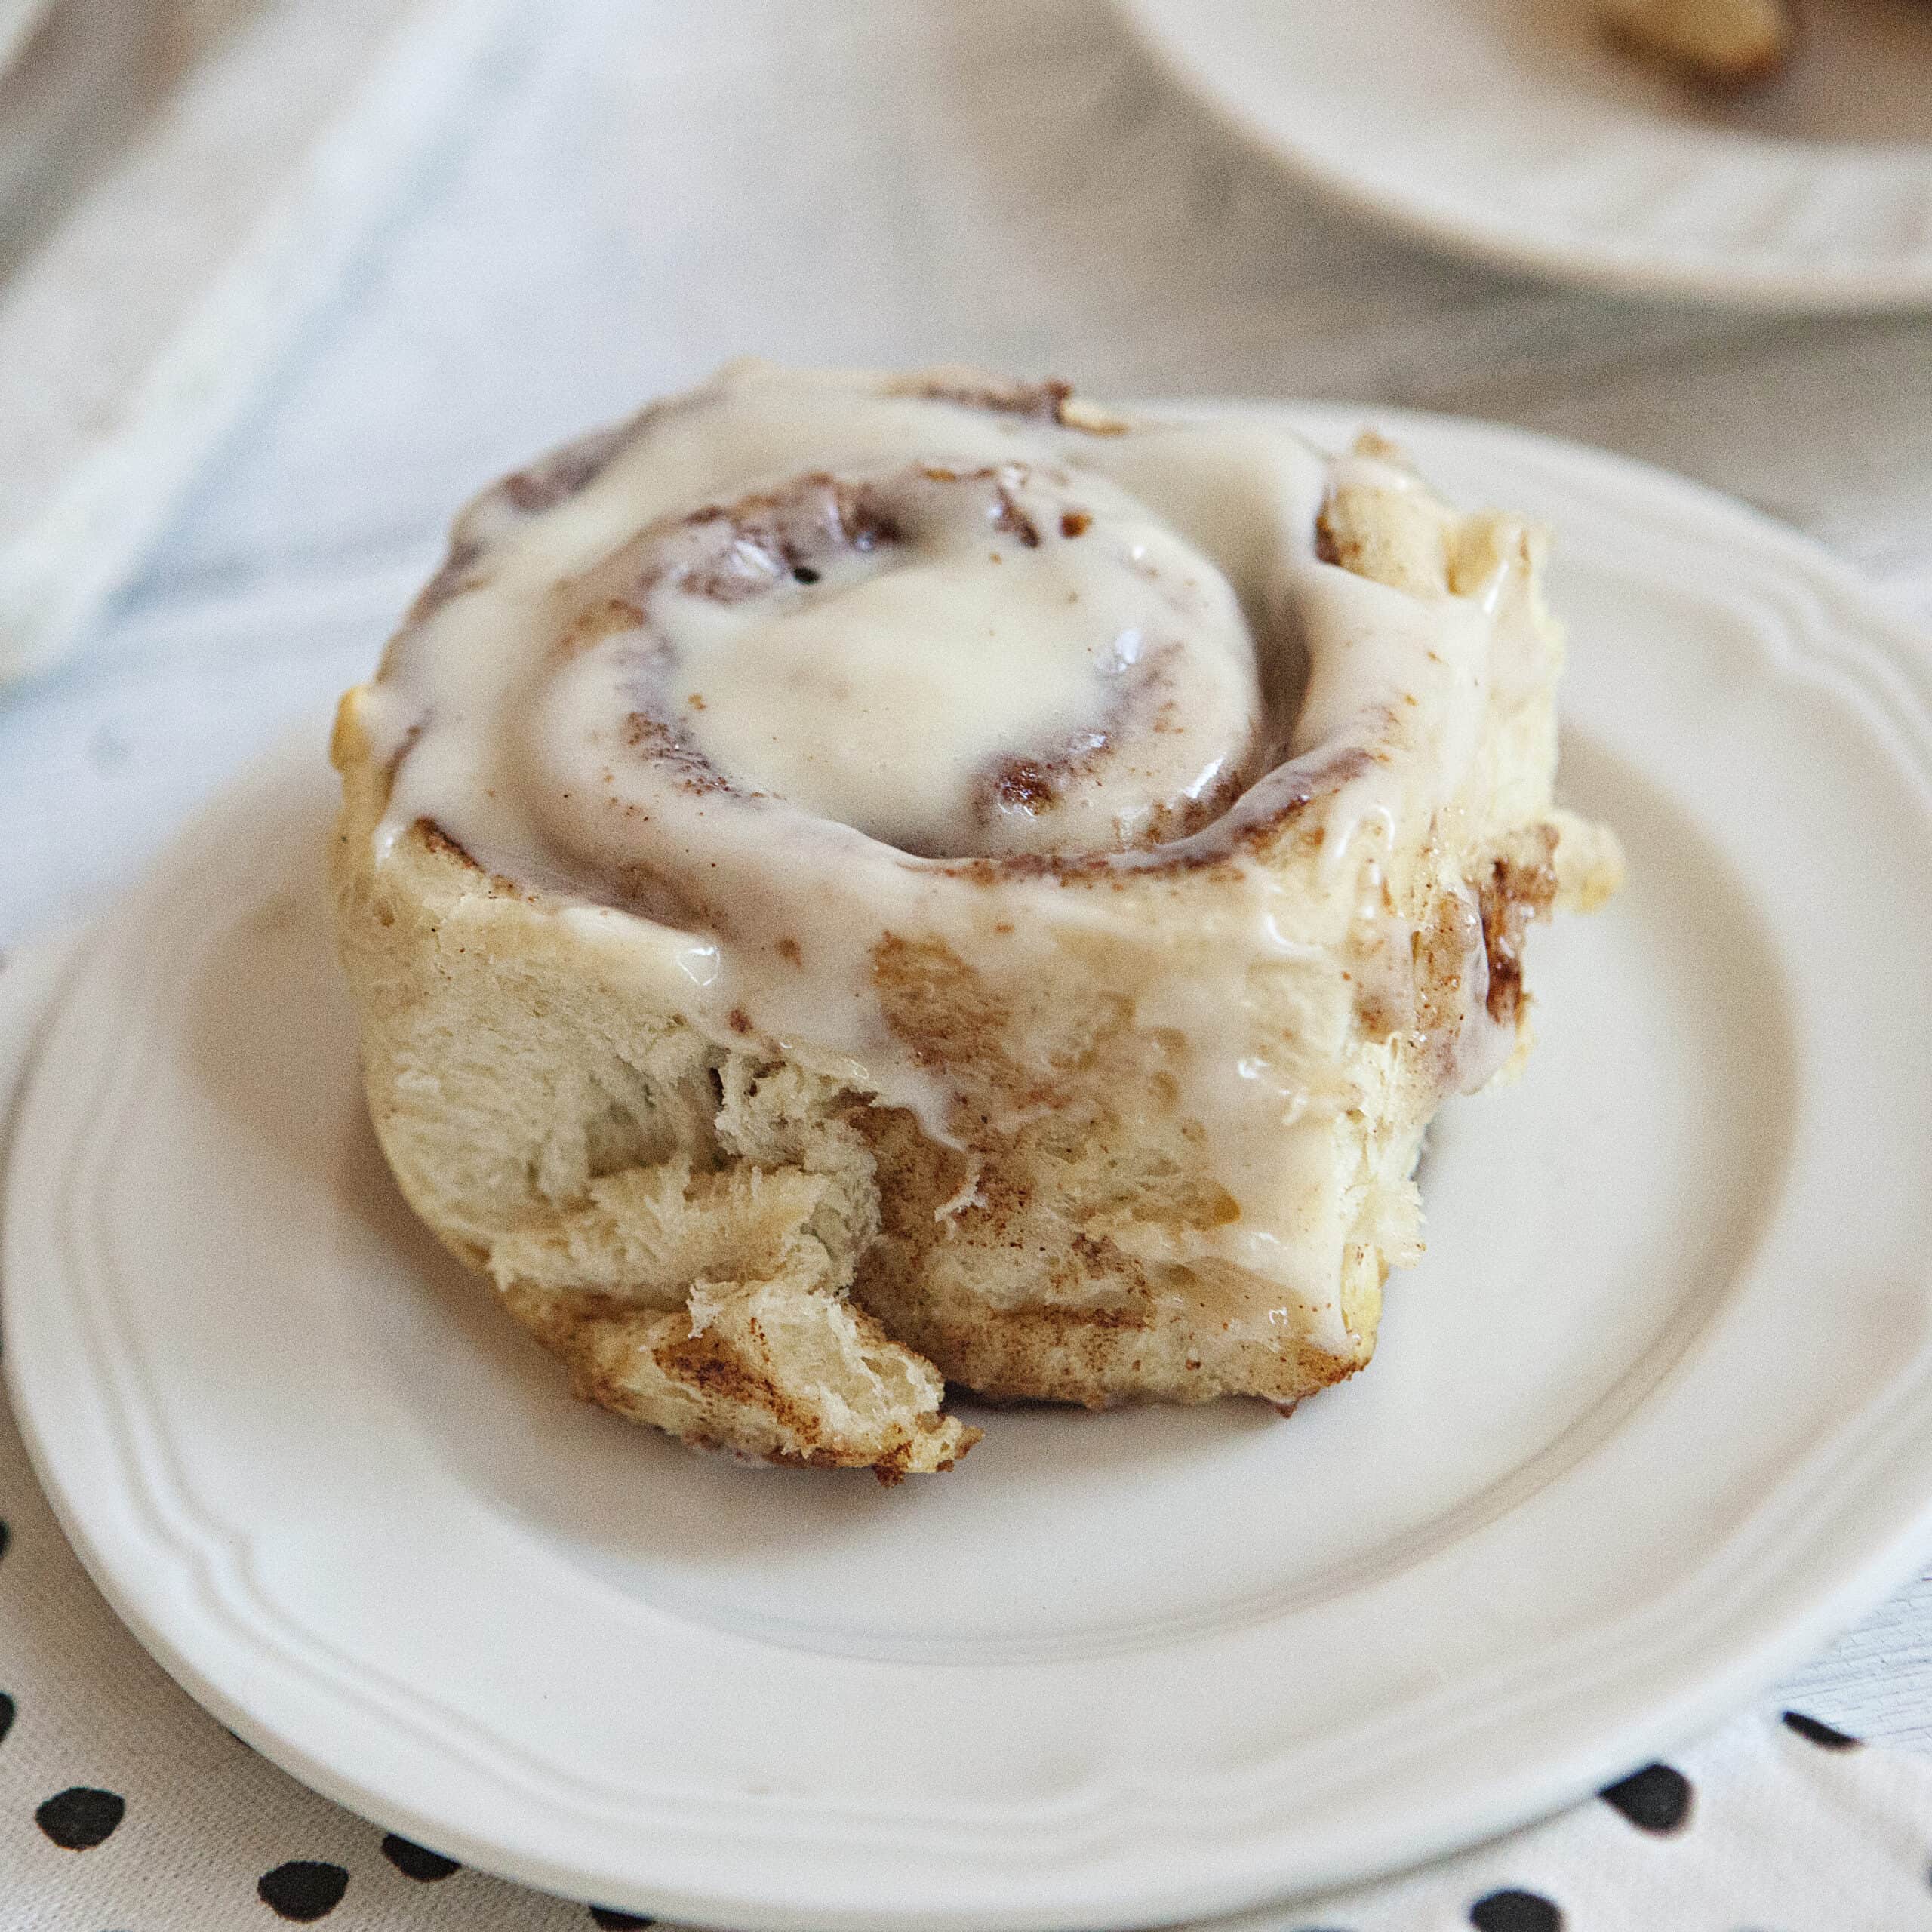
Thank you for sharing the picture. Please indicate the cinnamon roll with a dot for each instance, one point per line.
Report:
(1718, 44)
(853, 883)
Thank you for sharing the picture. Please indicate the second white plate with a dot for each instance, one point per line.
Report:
(1654, 1417)
(1510, 129)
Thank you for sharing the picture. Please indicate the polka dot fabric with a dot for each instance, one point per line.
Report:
(124, 1805)
(1764, 1828)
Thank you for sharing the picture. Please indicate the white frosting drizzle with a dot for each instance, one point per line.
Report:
(747, 744)
(1027, 662)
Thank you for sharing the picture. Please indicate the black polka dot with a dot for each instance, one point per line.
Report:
(1822, 1735)
(303, 1889)
(8, 1709)
(613, 1920)
(80, 1817)
(415, 1861)
(1515, 1912)
(1655, 1799)
(6, 1536)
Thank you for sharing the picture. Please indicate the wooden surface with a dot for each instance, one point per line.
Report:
(643, 193)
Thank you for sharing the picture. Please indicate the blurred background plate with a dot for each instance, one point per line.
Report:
(1511, 130)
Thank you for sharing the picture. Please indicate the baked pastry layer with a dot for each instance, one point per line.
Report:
(851, 883)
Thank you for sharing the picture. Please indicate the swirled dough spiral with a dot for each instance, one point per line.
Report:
(850, 881)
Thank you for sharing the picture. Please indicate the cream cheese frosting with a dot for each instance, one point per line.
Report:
(805, 665)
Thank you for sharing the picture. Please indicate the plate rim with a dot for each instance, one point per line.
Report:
(1757, 1646)
(1158, 27)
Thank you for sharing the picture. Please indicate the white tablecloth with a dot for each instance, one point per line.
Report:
(636, 194)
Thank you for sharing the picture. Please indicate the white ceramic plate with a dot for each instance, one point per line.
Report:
(1508, 129)
(1653, 1418)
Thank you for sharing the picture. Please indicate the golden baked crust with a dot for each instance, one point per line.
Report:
(570, 1139)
